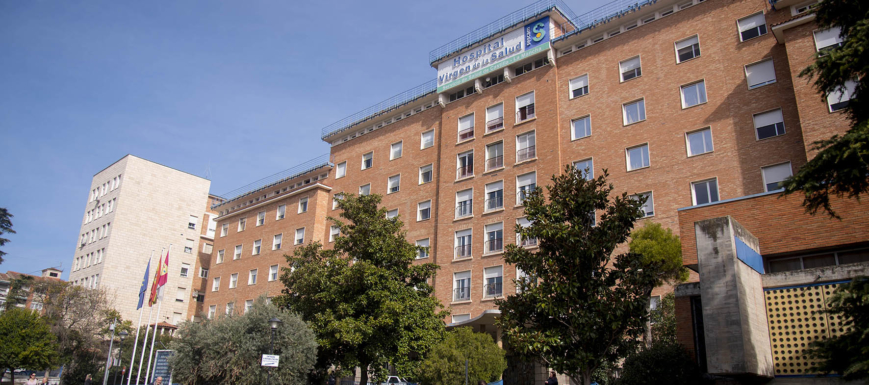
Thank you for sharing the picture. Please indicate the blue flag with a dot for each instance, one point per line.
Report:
(144, 287)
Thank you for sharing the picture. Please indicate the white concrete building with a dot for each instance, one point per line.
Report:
(134, 207)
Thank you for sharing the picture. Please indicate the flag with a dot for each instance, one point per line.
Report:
(144, 287)
(160, 277)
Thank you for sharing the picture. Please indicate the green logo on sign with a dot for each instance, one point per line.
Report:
(539, 30)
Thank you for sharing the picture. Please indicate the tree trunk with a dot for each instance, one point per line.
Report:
(12, 373)
(586, 377)
(363, 367)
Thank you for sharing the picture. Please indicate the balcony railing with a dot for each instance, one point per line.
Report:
(495, 124)
(463, 251)
(495, 162)
(493, 289)
(494, 245)
(525, 113)
(526, 153)
(466, 134)
(495, 203)
(529, 242)
(465, 171)
(461, 294)
(464, 208)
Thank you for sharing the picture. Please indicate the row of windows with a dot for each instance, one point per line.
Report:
(230, 308)
(89, 259)
(277, 241)
(280, 213)
(492, 285)
(251, 278)
(96, 234)
(105, 188)
(395, 152)
(98, 212)
(91, 282)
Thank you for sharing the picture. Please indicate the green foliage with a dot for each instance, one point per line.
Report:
(847, 354)
(584, 307)
(664, 363)
(228, 350)
(659, 245)
(445, 364)
(664, 320)
(841, 166)
(5, 227)
(26, 341)
(369, 305)
(162, 342)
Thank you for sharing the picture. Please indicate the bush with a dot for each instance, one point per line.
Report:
(663, 363)
(445, 364)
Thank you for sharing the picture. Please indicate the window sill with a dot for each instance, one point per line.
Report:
(525, 161)
(419, 259)
(638, 169)
(465, 141)
(701, 154)
(493, 211)
(580, 138)
(493, 254)
(490, 299)
(530, 247)
(686, 60)
(633, 78)
(494, 170)
(519, 206)
(696, 105)
(460, 302)
(465, 178)
(751, 38)
(423, 220)
(631, 124)
(424, 183)
(426, 148)
(493, 131)
(463, 218)
(396, 158)
(462, 259)
(771, 137)
(577, 97)
(756, 86)
(525, 121)
(393, 192)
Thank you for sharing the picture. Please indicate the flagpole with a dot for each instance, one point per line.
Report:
(138, 325)
(157, 321)
(147, 329)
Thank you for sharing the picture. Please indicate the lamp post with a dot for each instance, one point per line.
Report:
(120, 354)
(273, 323)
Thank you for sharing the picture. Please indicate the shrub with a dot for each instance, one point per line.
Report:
(663, 363)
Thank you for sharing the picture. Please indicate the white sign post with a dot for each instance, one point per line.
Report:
(271, 360)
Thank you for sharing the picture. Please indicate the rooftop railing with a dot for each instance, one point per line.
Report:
(271, 180)
(604, 13)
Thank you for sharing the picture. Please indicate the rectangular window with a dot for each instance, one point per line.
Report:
(180, 294)
(494, 238)
(427, 139)
(395, 151)
(687, 49)
(188, 246)
(393, 184)
(634, 112)
(233, 280)
(463, 244)
(224, 229)
(648, 207)
(494, 281)
(251, 278)
(751, 26)
(494, 156)
(525, 107)
(466, 165)
(300, 236)
(693, 94)
(282, 212)
(247, 305)
(638, 157)
(185, 269)
(237, 254)
(229, 308)
(215, 284)
(273, 273)
(760, 74)
(242, 222)
(276, 242)
(493, 80)
(367, 160)
(462, 93)
(191, 223)
(425, 174)
(838, 100)
(260, 218)
(365, 190)
(212, 226)
(391, 214)
(704, 191)
(769, 124)
(303, 205)
(495, 118)
(580, 128)
(495, 195)
(829, 39)
(630, 68)
(586, 167)
(525, 242)
(525, 184)
(211, 310)
(461, 290)
(423, 244)
(336, 199)
(423, 210)
(257, 247)
(220, 254)
(466, 127)
(341, 170)
(203, 273)
(334, 231)
(526, 147)
(774, 175)
(699, 142)
(464, 203)
(578, 86)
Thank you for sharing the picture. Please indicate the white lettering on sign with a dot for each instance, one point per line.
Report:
(271, 360)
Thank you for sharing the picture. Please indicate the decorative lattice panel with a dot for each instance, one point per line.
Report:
(795, 320)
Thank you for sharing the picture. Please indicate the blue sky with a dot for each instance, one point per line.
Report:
(240, 88)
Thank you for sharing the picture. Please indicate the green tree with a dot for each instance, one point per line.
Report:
(369, 305)
(583, 307)
(228, 350)
(663, 320)
(132, 363)
(445, 364)
(26, 341)
(5, 227)
(847, 354)
(841, 165)
(666, 362)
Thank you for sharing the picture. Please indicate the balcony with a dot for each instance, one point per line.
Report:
(495, 124)
(465, 171)
(466, 134)
(464, 208)
(495, 162)
(495, 203)
(493, 289)
(525, 113)
(462, 294)
(495, 245)
(526, 153)
(463, 251)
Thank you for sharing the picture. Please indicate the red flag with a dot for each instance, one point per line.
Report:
(160, 277)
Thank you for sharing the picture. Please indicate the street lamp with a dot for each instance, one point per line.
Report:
(123, 335)
(273, 323)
